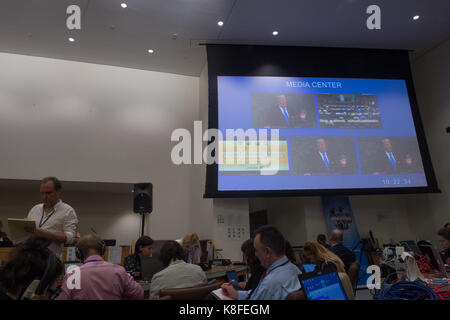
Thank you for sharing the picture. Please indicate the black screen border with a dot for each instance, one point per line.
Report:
(325, 62)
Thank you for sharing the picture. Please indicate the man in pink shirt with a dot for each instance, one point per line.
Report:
(98, 279)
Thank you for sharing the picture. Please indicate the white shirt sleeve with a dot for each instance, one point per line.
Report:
(70, 225)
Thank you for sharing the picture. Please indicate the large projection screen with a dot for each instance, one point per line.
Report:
(305, 121)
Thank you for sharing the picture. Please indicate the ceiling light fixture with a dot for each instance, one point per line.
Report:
(220, 23)
(123, 5)
(150, 51)
(416, 17)
(71, 39)
(275, 33)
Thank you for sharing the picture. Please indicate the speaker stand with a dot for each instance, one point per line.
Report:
(142, 224)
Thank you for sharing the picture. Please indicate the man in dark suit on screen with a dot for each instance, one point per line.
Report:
(319, 162)
(280, 115)
(322, 162)
(391, 161)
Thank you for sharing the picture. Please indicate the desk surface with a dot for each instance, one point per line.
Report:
(213, 273)
(221, 271)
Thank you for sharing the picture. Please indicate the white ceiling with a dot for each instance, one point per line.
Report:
(121, 37)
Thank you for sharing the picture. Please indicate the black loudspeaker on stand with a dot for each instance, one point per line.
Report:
(143, 200)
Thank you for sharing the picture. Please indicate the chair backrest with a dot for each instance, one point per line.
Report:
(296, 295)
(191, 293)
(353, 272)
(347, 285)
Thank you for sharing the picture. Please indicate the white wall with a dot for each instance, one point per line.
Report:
(431, 74)
(202, 218)
(109, 214)
(234, 213)
(301, 219)
(96, 123)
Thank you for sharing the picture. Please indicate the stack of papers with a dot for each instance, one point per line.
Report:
(219, 295)
(17, 227)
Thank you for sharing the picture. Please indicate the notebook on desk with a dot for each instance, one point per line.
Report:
(219, 295)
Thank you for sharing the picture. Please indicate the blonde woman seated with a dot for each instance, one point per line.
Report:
(191, 245)
(325, 260)
(177, 273)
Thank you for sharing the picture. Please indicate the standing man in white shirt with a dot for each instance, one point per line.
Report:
(55, 220)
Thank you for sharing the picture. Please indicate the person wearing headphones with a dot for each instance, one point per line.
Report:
(32, 272)
(98, 279)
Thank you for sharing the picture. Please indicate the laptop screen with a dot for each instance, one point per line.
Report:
(309, 267)
(323, 287)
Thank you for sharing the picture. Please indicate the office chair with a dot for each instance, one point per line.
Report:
(296, 295)
(353, 272)
(190, 293)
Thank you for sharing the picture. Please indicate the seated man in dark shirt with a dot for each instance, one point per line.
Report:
(347, 256)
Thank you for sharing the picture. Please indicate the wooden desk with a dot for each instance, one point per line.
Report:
(4, 254)
(220, 272)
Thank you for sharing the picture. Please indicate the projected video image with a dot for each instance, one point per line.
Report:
(283, 110)
(389, 155)
(323, 155)
(238, 157)
(333, 130)
(354, 111)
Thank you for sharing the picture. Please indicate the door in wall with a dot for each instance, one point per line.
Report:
(257, 219)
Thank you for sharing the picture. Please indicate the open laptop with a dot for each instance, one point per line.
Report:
(309, 267)
(325, 286)
(150, 266)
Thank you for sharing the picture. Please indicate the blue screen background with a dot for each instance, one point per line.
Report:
(235, 111)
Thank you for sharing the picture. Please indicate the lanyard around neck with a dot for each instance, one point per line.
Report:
(262, 277)
(41, 223)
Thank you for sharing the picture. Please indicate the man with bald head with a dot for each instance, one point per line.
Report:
(99, 279)
(335, 239)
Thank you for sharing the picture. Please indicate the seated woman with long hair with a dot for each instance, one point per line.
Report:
(325, 260)
(28, 263)
(191, 244)
(255, 269)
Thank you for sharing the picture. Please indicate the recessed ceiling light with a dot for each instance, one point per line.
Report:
(123, 5)
(275, 33)
(416, 17)
(220, 23)
(71, 39)
(150, 51)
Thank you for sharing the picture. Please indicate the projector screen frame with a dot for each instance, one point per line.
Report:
(274, 61)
